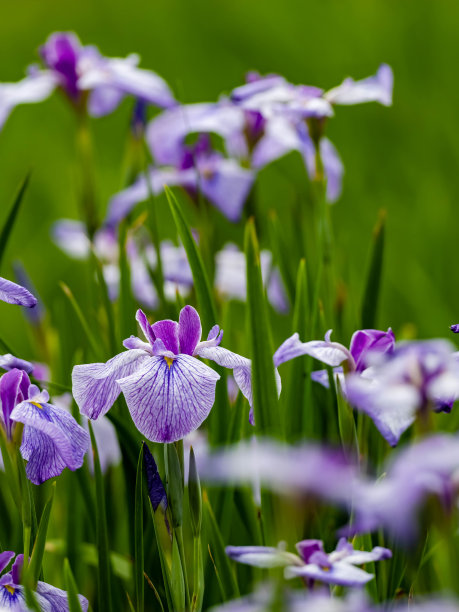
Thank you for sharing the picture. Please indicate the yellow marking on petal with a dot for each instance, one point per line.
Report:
(169, 361)
(9, 589)
(36, 404)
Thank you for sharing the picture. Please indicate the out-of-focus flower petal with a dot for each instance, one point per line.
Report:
(57, 598)
(9, 361)
(71, 237)
(261, 556)
(330, 353)
(377, 88)
(342, 574)
(35, 87)
(333, 168)
(11, 293)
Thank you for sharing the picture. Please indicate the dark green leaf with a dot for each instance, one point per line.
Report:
(10, 220)
(34, 568)
(71, 588)
(373, 286)
(139, 551)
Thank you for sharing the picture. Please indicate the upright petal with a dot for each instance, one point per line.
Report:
(168, 332)
(333, 168)
(167, 402)
(5, 558)
(94, 385)
(189, 330)
(15, 294)
(11, 394)
(52, 440)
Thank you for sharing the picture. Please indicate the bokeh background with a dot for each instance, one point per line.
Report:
(403, 159)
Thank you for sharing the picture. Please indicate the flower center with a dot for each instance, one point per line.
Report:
(36, 404)
(10, 589)
(169, 361)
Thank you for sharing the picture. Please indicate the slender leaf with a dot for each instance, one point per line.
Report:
(71, 588)
(104, 577)
(373, 285)
(177, 579)
(36, 560)
(11, 218)
(95, 347)
(139, 551)
(265, 403)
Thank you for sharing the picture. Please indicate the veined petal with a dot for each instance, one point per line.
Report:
(330, 353)
(167, 402)
(57, 598)
(94, 385)
(261, 556)
(145, 326)
(339, 573)
(52, 440)
(241, 366)
(11, 293)
(16, 602)
(189, 330)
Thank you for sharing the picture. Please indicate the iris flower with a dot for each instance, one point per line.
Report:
(51, 440)
(168, 391)
(12, 596)
(83, 73)
(312, 562)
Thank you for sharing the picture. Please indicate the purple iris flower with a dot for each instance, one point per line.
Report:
(230, 277)
(356, 358)
(51, 439)
(455, 328)
(309, 468)
(416, 379)
(8, 362)
(11, 293)
(75, 69)
(12, 596)
(417, 472)
(313, 563)
(223, 181)
(291, 118)
(168, 391)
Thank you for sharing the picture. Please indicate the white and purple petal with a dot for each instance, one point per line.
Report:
(340, 574)
(377, 88)
(94, 385)
(35, 87)
(166, 400)
(11, 293)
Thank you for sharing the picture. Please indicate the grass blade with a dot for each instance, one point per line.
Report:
(34, 568)
(10, 220)
(263, 379)
(139, 551)
(104, 577)
(71, 588)
(373, 286)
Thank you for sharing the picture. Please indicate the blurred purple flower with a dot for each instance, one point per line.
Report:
(230, 277)
(34, 315)
(76, 69)
(455, 328)
(313, 563)
(393, 502)
(12, 595)
(417, 378)
(168, 391)
(11, 293)
(8, 362)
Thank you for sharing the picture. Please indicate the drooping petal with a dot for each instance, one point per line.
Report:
(340, 573)
(227, 185)
(52, 440)
(94, 385)
(156, 490)
(261, 556)
(35, 87)
(58, 598)
(11, 293)
(360, 557)
(377, 88)
(330, 353)
(333, 169)
(241, 366)
(189, 330)
(392, 408)
(167, 402)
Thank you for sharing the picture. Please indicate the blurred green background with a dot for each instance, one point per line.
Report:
(403, 159)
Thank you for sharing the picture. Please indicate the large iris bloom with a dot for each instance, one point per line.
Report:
(168, 391)
(81, 70)
(11, 293)
(52, 440)
(312, 562)
(12, 596)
